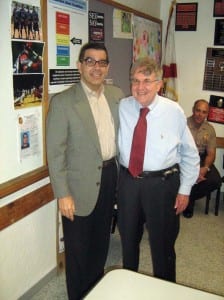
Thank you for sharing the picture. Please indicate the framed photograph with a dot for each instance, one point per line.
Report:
(216, 109)
(218, 8)
(219, 32)
(186, 16)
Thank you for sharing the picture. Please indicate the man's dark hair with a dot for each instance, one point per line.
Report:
(96, 46)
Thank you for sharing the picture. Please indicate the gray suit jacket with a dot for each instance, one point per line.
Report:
(73, 148)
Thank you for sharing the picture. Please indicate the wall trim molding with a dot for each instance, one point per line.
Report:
(39, 285)
(18, 209)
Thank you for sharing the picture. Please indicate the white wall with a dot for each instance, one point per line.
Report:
(28, 247)
(150, 7)
(191, 49)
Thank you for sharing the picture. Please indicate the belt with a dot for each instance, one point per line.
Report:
(108, 162)
(164, 173)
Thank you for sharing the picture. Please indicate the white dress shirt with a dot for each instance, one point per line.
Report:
(168, 139)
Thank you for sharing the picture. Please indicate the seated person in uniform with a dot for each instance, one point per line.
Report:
(205, 138)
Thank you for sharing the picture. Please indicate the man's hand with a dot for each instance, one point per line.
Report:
(67, 207)
(202, 174)
(181, 203)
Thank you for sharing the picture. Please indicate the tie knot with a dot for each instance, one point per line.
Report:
(144, 111)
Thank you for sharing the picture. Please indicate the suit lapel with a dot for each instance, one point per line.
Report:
(113, 105)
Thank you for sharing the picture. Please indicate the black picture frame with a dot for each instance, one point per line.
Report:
(96, 27)
(214, 70)
(216, 109)
(219, 32)
(218, 10)
(186, 16)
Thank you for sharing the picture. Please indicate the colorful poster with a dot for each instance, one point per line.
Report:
(147, 39)
(62, 39)
(67, 32)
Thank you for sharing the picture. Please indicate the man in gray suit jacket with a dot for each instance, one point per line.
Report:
(82, 127)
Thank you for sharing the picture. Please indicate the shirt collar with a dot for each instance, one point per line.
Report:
(91, 93)
(150, 106)
(154, 103)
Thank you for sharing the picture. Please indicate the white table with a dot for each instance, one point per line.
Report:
(120, 284)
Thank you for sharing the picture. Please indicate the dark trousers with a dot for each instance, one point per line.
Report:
(87, 239)
(149, 200)
(199, 190)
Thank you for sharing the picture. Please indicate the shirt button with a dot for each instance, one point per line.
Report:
(98, 183)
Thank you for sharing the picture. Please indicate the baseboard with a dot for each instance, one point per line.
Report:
(39, 285)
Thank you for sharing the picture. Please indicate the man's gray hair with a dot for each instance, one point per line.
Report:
(146, 66)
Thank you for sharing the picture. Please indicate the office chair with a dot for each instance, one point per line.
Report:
(217, 200)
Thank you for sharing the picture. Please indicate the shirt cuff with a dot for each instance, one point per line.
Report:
(185, 189)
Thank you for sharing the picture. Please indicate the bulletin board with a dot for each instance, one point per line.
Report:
(24, 104)
(121, 49)
(26, 81)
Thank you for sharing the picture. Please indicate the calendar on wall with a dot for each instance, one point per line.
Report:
(214, 70)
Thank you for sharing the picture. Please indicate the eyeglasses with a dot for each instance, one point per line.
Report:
(144, 82)
(91, 62)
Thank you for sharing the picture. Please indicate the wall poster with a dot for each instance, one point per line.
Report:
(67, 32)
(122, 24)
(96, 27)
(147, 39)
(27, 53)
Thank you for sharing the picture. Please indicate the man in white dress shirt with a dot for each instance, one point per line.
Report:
(161, 191)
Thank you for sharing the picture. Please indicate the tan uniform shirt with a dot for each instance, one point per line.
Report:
(204, 136)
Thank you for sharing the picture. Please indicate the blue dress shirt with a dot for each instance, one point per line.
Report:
(168, 139)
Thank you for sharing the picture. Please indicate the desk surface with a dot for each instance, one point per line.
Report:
(122, 284)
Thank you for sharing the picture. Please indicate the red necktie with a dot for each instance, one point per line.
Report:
(138, 144)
